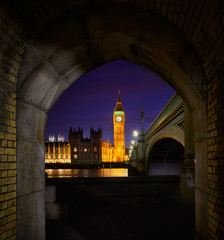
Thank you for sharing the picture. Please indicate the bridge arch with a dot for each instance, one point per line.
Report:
(155, 139)
(165, 156)
(69, 48)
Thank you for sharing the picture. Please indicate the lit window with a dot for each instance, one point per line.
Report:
(95, 149)
(75, 149)
(85, 150)
(75, 156)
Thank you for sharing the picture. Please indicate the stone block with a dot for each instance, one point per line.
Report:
(31, 216)
(43, 87)
(200, 121)
(201, 166)
(30, 168)
(9, 136)
(77, 57)
(31, 60)
(77, 71)
(30, 122)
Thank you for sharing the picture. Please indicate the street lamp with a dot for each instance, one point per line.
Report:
(135, 134)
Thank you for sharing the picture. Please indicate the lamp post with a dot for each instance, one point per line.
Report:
(135, 134)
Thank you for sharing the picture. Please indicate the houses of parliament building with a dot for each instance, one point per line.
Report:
(93, 150)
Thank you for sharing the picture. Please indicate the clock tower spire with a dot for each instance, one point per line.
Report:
(119, 131)
(119, 103)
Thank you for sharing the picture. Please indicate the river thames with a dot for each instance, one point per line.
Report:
(74, 173)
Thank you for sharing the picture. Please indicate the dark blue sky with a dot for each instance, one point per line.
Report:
(90, 101)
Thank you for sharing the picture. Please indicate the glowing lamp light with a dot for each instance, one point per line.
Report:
(135, 133)
(131, 147)
(132, 141)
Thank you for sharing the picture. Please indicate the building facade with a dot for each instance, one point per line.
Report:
(86, 150)
(57, 151)
(107, 152)
(79, 150)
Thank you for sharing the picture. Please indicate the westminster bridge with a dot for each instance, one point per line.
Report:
(167, 147)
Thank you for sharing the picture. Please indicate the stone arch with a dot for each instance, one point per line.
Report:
(73, 46)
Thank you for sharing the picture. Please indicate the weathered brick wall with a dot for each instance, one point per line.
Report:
(216, 153)
(11, 56)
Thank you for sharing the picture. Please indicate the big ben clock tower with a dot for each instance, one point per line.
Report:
(119, 131)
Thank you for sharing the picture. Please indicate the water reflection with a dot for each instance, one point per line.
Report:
(73, 173)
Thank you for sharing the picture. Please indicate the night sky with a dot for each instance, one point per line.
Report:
(91, 100)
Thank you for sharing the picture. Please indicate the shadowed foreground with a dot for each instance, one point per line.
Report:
(130, 216)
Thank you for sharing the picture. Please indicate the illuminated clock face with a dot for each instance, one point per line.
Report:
(118, 118)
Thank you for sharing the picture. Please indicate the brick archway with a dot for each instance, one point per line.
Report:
(72, 47)
(165, 37)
